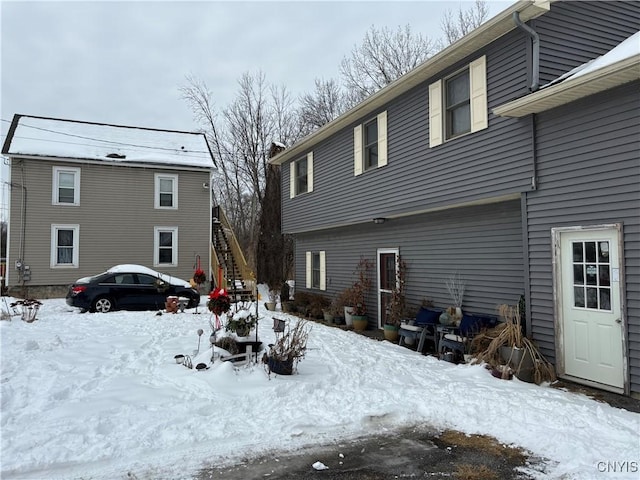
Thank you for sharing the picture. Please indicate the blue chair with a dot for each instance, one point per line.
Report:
(458, 342)
(424, 329)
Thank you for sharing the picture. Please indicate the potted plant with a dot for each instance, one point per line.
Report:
(455, 287)
(219, 301)
(359, 290)
(397, 306)
(506, 349)
(271, 303)
(199, 277)
(241, 322)
(285, 298)
(288, 349)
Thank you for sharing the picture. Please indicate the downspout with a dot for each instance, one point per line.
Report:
(535, 84)
(535, 75)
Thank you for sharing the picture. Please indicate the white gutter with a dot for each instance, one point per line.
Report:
(613, 75)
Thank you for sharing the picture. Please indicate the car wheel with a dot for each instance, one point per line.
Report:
(102, 305)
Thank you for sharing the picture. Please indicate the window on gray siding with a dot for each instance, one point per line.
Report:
(165, 246)
(64, 245)
(166, 191)
(371, 144)
(315, 270)
(458, 107)
(66, 186)
(301, 170)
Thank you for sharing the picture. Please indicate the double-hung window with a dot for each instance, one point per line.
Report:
(316, 272)
(370, 144)
(166, 191)
(458, 104)
(64, 246)
(66, 186)
(165, 246)
(301, 176)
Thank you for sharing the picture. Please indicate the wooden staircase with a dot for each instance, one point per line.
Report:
(228, 264)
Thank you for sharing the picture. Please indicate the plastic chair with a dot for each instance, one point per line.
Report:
(423, 329)
(458, 343)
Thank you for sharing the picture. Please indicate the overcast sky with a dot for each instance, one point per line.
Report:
(123, 62)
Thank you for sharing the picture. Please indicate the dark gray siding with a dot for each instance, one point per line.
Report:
(482, 243)
(116, 217)
(490, 163)
(589, 173)
(573, 33)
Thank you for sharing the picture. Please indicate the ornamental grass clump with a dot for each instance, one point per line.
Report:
(488, 347)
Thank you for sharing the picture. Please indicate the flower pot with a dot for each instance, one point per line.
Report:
(520, 362)
(280, 367)
(348, 318)
(391, 333)
(360, 322)
(271, 306)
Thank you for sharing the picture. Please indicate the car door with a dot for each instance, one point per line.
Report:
(123, 290)
(152, 296)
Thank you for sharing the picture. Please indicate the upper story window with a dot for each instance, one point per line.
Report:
(458, 109)
(316, 272)
(370, 144)
(64, 246)
(301, 176)
(165, 246)
(66, 186)
(458, 104)
(166, 191)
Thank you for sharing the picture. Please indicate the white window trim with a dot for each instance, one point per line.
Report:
(309, 269)
(479, 118)
(56, 185)
(164, 176)
(293, 191)
(55, 227)
(358, 142)
(156, 246)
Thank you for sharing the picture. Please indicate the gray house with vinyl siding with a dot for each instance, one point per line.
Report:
(525, 183)
(87, 196)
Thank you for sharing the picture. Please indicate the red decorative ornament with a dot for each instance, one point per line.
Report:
(219, 302)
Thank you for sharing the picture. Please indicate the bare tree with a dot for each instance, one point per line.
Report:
(240, 137)
(327, 102)
(383, 56)
(457, 25)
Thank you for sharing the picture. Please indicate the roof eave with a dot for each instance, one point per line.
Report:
(480, 37)
(123, 163)
(605, 78)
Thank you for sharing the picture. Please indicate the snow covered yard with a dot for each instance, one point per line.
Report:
(99, 395)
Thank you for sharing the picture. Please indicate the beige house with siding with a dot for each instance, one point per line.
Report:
(86, 196)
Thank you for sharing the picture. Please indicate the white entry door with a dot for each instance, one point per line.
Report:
(590, 306)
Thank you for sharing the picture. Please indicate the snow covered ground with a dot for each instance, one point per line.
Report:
(99, 395)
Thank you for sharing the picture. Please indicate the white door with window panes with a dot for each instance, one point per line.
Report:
(590, 305)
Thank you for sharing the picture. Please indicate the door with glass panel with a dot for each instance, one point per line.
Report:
(590, 306)
(387, 275)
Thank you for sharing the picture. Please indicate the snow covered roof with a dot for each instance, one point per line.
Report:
(31, 136)
(618, 66)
